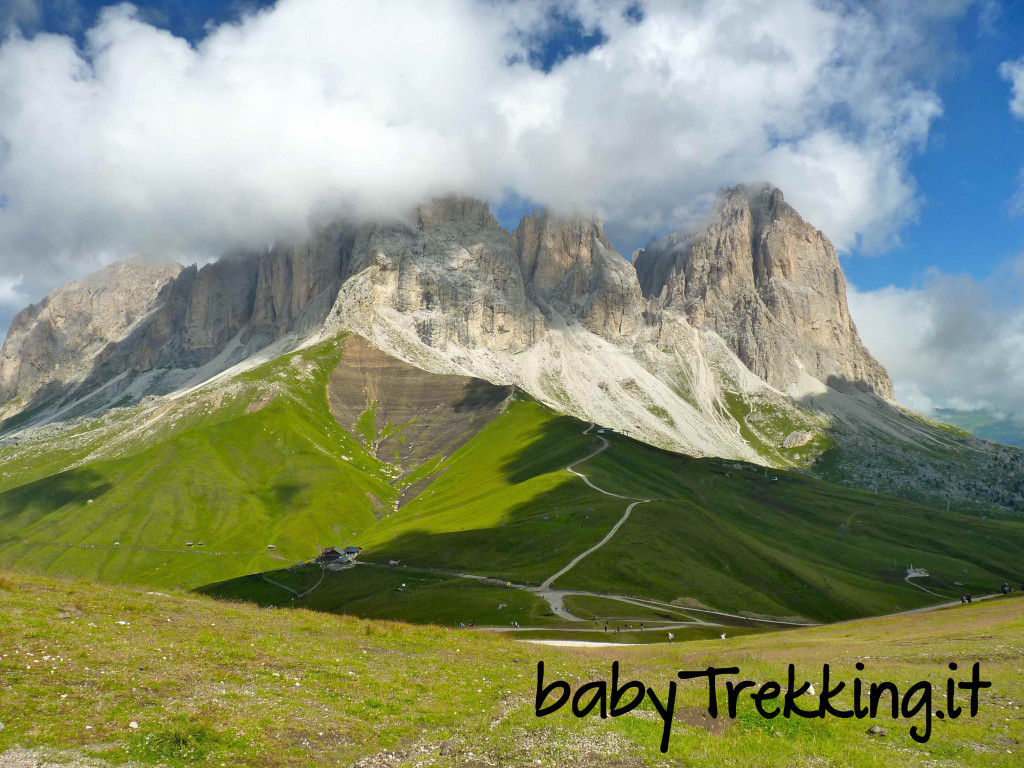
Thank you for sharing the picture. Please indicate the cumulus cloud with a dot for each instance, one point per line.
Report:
(139, 142)
(960, 342)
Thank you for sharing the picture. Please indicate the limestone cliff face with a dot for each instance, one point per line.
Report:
(462, 279)
(771, 286)
(465, 282)
(451, 271)
(133, 318)
(76, 326)
(233, 307)
(569, 264)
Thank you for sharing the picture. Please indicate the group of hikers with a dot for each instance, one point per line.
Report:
(1006, 589)
(618, 628)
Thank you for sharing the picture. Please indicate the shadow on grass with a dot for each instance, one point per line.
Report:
(285, 494)
(25, 504)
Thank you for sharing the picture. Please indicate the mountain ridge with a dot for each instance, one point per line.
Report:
(731, 340)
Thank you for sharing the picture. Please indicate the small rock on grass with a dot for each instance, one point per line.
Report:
(877, 730)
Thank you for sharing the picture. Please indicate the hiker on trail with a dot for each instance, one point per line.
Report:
(723, 635)
(641, 626)
(963, 599)
(970, 598)
(671, 637)
(1005, 588)
(606, 626)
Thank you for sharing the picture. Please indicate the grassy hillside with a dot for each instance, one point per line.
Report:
(209, 683)
(723, 533)
(268, 467)
(259, 460)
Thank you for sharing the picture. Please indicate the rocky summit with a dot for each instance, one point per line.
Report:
(733, 339)
(770, 285)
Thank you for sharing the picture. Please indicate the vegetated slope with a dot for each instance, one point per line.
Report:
(258, 459)
(503, 504)
(208, 682)
(274, 470)
(237, 477)
(372, 592)
(732, 537)
(721, 535)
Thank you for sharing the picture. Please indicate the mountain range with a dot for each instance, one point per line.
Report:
(435, 388)
(732, 340)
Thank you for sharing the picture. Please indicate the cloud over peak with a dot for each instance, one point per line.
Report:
(142, 142)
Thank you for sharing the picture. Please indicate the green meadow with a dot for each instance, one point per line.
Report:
(210, 683)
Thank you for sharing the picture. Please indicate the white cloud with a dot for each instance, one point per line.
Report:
(23, 12)
(142, 143)
(10, 296)
(1014, 72)
(951, 342)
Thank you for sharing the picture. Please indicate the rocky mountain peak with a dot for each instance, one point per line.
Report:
(75, 327)
(455, 208)
(568, 262)
(770, 285)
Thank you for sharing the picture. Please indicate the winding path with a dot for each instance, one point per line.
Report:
(547, 582)
(296, 594)
(554, 598)
(279, 584)
(923, 589)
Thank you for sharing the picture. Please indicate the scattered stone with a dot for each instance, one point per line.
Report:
(877, 730)
(797, 438)
(133, 725)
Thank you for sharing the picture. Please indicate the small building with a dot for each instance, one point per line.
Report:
(330, 554)
(334, 554)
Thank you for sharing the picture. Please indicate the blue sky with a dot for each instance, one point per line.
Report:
(970, 170)
(186, 127)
